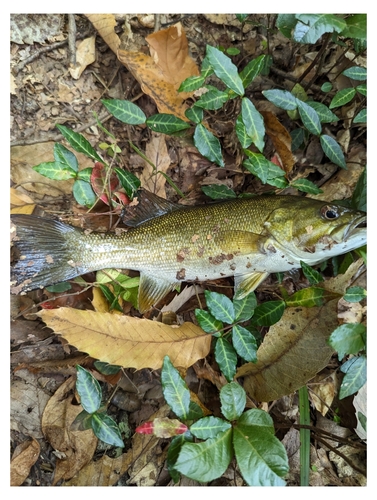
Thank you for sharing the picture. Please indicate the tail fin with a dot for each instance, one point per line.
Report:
(44, 252)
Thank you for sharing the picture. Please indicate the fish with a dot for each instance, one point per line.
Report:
(168, 243)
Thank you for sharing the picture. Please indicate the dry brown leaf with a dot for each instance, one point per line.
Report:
(127, 341)
(322, 392)
(160, 76)
(157, 152)
(73, 448)
(85, 55)
(20, 202)
(104, 472)
(281, 139)
(295, 349)
(24, 457)
(104, 24)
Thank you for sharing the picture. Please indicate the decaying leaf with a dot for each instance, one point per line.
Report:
(281, 139)
(295, 349)
(103, 472)
(161, 75)
(74, 449)
(157, 152)
(24, 457)
(85, 55)
(127, 341)
(20, 202)
(104, 24)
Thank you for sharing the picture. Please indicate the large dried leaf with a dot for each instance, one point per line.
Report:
(104, 24)
(127, 341)
(281, 139)
(74, 448)
(295, 349)
(24, 457)
(161, 75)
(157, 152)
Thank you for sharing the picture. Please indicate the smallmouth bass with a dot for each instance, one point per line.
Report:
(247, 238)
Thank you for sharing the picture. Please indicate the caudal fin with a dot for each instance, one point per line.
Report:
(45, 250)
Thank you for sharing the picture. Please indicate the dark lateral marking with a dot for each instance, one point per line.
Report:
(181, 274)
(220, 258)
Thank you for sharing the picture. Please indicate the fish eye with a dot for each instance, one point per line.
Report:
(329, 212)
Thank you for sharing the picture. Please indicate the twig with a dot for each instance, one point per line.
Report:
(72, 39)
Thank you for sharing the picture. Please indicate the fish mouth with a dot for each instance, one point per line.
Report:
(357, 228)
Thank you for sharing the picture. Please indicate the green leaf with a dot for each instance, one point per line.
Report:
(261, 457)
(89, 390)
(220, 306)
(79, 143)
(106, 429)
(359, 196)
(259, 419)
(213, 99)
(175, 390)
(242, 17)
(356, 73)
(313, 26)
(362, 89)
(207, 322)
(311, 274)
(208, 460)
(326, 87)
(324, 113)
(208, 145)
(225, 69)
(258, 165)
(173, 451)
(192, 83)
(244, 139)
(244, 343)
(348, 338)
(355, 294)
(65, 156)
(166, 123)
(298, 136)
(286, 23)
(361, 116)
(219, 192)
(332, 150)
(111, 298)
(309, 117)
(306, 186)
(125, 111)
(311, 297)
(268, 313)
(355, 370)
(281, 98)
(106, 368)
(244, 308)
(253, 122)
(129, 181)
(55, 170)
(342, 97)
(252, 70)
(356, 27)
(85, 174)
(83, 193)
(209, 427)
(226, 358)
(233, 400)
(194, 114)
(59, 287)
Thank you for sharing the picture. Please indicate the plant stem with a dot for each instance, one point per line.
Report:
(304, 436)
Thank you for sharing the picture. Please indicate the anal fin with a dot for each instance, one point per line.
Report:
(246, 283)
(151, 290)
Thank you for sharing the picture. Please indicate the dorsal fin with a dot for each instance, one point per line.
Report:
(146, 206)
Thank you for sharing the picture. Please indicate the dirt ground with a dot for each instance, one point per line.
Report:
(47, 88)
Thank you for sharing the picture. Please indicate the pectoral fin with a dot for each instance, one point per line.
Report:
(151, 290)
(246, 283)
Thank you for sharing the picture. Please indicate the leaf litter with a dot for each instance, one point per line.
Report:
(159, 75)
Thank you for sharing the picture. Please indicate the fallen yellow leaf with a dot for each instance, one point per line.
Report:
(127, 341)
